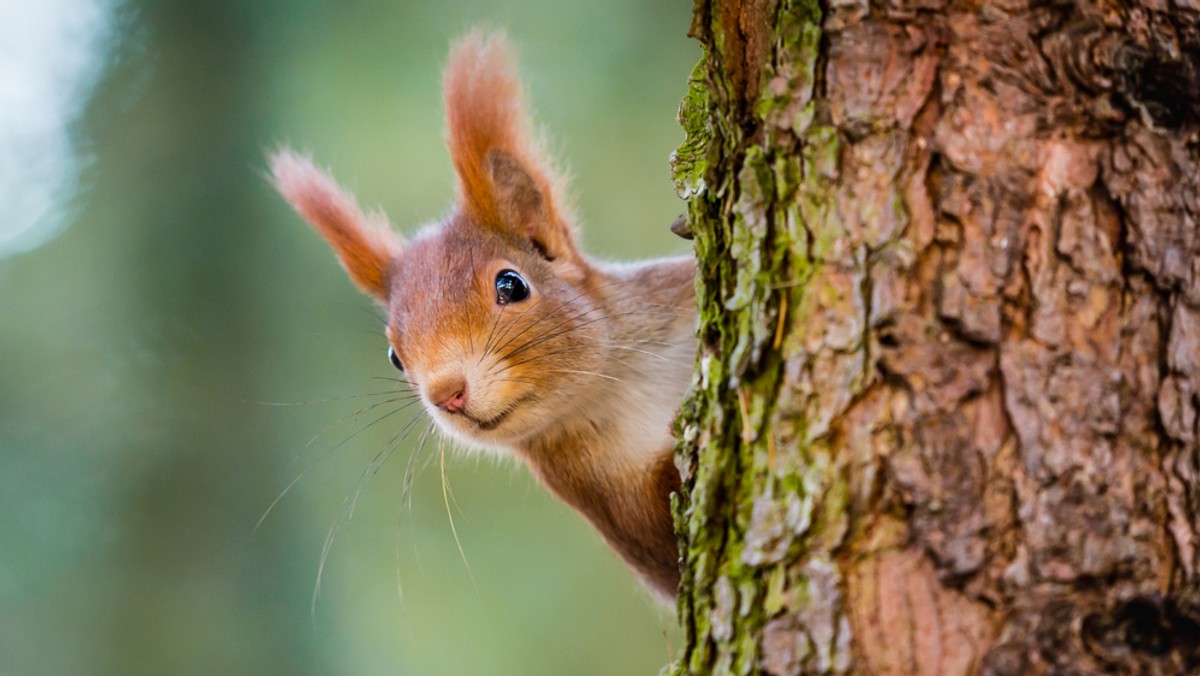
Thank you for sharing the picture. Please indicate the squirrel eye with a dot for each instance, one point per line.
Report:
(510, 287)
(392, 357)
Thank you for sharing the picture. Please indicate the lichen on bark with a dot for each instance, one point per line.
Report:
(762, 224)
(946, 416)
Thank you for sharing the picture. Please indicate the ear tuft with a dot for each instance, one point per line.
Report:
(366, 246)
(504, 182)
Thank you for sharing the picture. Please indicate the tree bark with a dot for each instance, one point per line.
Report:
(945, 418)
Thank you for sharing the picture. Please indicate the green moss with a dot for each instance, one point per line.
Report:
(762, 213)
(688, 162)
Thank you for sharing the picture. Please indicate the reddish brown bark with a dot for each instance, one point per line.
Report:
(974, 262)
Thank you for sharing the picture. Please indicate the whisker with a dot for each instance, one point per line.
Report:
(527, 381)
(449, 515)
(371, 313)
(551, 333)
(588, 373)
(407, 402)
(282, 493)
(378, 461)
(393, 379)
(470, 332)
(487, 343)
(508, 326)
(329, 537)
(549, 314)
(327, 453)
(578, 348)
(406, 501)
(560, 324)
(534, 358)
(614, 346)
(648, 341)
(533, 342)
(548, 334)
(410, 471)
(512, 322)
(350, 503)
(327, 400)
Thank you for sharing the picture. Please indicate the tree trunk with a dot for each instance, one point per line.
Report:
(946, 412)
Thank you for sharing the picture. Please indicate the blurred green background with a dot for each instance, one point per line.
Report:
(143, 347)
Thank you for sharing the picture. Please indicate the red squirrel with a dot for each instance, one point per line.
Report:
(514, 339)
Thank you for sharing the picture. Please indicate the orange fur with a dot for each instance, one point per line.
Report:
(365, 245)
(580, 378)
(485, 113)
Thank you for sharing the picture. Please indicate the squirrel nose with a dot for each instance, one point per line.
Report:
(449, 393)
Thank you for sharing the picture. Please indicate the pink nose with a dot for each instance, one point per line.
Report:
(449, 394)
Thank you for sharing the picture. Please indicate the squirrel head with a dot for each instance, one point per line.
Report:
(493, 312)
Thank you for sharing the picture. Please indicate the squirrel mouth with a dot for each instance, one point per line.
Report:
(494, 422)
(491, 424)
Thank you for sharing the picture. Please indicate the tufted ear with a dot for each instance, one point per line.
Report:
(504, 181)
(366, 245)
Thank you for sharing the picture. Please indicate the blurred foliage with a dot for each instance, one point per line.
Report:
(144, 351)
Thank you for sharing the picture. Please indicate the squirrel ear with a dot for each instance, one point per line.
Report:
(527, 209)
(503, 179)
(366, 245)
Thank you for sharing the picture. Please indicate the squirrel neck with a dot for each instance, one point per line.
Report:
(612, 458)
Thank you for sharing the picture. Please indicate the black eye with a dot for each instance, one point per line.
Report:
(392, 357)
(510, 287)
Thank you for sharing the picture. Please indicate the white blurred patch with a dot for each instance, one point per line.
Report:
(51, 54)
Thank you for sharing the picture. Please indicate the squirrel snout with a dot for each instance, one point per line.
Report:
(449, 393)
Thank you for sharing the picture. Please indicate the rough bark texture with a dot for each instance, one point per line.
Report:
(946, 411)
